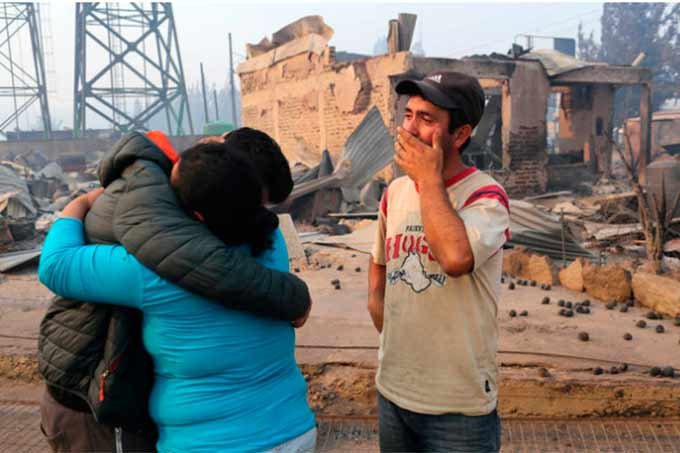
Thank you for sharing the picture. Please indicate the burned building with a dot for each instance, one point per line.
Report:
(310, 98)
(665, 132)
(582, 101)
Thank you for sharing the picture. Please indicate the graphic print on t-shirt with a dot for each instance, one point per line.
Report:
(412, 272)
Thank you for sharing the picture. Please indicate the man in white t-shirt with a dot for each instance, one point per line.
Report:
(434, 279)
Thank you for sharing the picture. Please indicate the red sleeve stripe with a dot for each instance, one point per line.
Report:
(491, 195)
(490, 191)
(383, 203)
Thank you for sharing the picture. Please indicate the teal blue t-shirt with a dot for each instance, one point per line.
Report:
(225, 380)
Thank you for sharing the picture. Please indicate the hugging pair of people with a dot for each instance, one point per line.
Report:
(186, 339)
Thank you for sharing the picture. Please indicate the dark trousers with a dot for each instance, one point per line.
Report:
(401, 430)
(70, 431)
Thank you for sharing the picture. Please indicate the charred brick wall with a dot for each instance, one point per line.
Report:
(524, 131)
(309, 104)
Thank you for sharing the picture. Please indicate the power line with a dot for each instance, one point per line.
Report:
(480, 25)
(561, 22)
(564, 21)
(584, 23)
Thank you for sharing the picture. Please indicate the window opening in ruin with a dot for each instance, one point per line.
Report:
(581, 97)
(561, 143)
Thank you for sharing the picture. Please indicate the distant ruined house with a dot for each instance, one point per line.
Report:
(310, 98)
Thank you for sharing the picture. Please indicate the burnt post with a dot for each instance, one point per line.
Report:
(645, 132)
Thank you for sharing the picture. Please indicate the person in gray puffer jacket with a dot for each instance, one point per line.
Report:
(97, 372)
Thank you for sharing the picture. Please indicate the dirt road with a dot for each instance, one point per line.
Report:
(546, 370)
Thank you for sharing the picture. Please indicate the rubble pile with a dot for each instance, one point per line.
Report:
(32, 193)
(608, 222)
(605, 223)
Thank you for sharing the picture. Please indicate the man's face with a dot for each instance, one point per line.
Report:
(422, 118)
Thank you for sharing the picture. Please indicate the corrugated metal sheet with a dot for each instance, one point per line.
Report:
(309, 175)
(9, 261)
(367, 151)
(541, 232)
(324, 182)
(14, 195)
(556, 63)
(370, 148)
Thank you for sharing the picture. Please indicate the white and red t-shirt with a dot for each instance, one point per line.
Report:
(439, 339)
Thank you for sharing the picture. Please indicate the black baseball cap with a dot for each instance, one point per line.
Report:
(449, 90)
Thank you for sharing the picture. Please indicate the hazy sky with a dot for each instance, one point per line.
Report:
(446, 30)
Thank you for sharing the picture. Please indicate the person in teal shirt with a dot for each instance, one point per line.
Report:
(225, 380)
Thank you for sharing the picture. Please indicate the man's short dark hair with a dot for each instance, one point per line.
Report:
(223, 185)
(266, 156)
(457, 120)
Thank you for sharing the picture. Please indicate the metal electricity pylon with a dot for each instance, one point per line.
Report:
(128, 67)
(22, 81)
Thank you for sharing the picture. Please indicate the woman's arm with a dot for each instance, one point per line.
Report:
(96, 273)
(78, 208)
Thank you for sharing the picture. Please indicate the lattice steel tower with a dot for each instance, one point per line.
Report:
(22, 82)
(128, 67)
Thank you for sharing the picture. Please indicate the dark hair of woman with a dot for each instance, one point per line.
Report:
(268, 159)
(222, 185)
